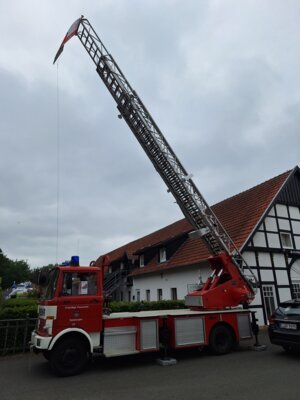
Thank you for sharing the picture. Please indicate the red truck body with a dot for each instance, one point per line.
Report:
(74, 325)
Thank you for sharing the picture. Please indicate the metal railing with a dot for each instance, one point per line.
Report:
(15, 335)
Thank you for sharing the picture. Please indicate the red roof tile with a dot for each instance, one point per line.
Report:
(238, 214)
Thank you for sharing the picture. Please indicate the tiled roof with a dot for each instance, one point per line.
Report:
(238, 214)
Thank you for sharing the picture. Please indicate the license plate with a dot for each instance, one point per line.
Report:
(285, 325)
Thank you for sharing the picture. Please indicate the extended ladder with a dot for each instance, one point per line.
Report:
(179, 183)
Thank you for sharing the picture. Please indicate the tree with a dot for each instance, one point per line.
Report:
(13, 271)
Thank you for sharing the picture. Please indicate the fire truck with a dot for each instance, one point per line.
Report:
(73, 323)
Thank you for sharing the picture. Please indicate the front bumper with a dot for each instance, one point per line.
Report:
(39, 343)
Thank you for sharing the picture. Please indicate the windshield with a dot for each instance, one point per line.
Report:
(289, 310)
(50, 291)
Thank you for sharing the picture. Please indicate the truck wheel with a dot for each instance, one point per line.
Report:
(69, 357)
(221, 340)
(46, 354)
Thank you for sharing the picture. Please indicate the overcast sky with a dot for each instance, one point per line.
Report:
(220, 78)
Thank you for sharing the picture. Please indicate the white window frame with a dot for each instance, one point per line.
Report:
(296, 290)
(269, 299)
(289, 236)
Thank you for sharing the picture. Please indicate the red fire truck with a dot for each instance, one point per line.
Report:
(73, 323)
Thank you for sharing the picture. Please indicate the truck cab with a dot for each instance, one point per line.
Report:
(72, 306)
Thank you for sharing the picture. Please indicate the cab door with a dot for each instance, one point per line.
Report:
(80, 302)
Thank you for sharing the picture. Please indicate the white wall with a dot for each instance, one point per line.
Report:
(179, 278)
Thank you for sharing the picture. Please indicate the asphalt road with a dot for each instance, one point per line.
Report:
(244, 374)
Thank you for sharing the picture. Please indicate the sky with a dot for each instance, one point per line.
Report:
(220, 78)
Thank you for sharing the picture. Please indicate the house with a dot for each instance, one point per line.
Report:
(263, 222)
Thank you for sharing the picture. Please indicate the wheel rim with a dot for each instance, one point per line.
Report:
(70, 357)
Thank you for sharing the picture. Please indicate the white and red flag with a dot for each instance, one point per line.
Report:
(71, 32)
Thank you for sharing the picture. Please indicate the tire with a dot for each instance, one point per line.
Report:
(46, 354)
(288, 349)
(69, 356)
(221, 340)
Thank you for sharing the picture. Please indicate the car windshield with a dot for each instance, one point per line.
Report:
(290, 309)
(50, 291)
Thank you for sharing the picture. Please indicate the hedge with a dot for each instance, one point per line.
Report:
(18, 308)
(122, 306)
(22, 308)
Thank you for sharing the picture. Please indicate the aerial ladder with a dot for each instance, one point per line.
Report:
(232, 282)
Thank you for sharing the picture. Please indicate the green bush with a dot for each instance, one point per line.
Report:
(18, 312)
(19, 302)
(18, 308)
(123, 306)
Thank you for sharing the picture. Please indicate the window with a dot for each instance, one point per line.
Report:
(269, 299)
(159, 294)
(147, 295)
(79, 283)
(296, 290)
(286, 240)
(174, 293)
(138, 295)
(142, 260)
(50, 291)
(162, 254)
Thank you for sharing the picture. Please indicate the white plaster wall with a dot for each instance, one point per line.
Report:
(179, 279)
(294, 212)
(297, 242)
(272, 212)
(279, 260)
(249, 257)
(284, 224)
(282, 277)
(271, 224)
(284, 294)
(282, 210)
(273, 239)
(259, 239)
(264, 259)
(260, 316)
(267, 275)
(257, 300)
(296, 227)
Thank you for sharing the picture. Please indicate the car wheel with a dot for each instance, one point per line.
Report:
(288, 349)
(69, 357)
(221, 340)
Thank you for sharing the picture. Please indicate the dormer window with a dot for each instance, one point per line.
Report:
(286, 240)
(142, 261)
(162, 255)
